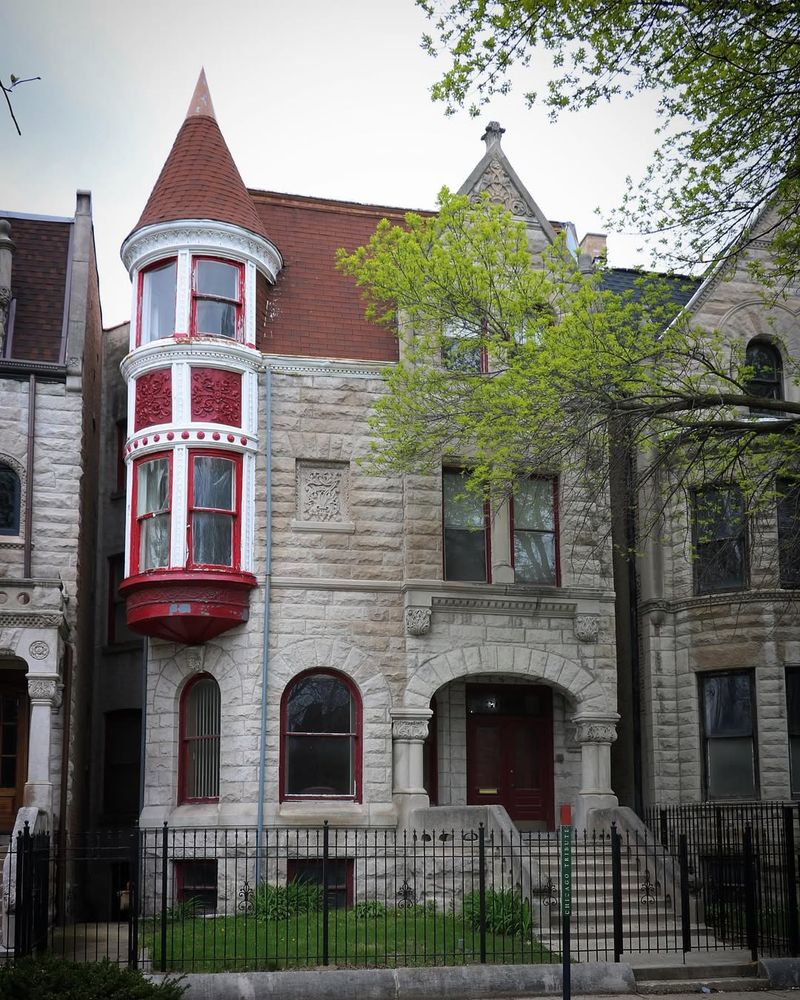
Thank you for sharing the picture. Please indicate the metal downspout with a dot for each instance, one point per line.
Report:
(262, 747)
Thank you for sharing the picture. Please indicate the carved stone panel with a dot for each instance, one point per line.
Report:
(501, 189)
(587, 628)
(323, 490)
(418, 621)
(153, 398)
(217, 396)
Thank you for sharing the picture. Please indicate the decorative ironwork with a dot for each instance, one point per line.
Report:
(406, 897)
(247, 897)
(647, 889)
(549, 891)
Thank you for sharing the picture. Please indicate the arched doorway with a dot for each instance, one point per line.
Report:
(14, 715)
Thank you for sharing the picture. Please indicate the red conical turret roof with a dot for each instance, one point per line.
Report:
(200, 179)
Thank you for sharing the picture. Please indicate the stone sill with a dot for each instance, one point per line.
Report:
(345, 527)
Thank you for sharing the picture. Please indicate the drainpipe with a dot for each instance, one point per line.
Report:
(28, 538)
(262, 739)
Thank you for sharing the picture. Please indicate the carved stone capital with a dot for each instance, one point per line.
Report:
(45, 691)
(5, 297)
(587, 628)
(410, 725)
(418, 621)
(596, 730)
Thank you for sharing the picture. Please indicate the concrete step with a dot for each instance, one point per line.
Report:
(700, 970)
(734, 984)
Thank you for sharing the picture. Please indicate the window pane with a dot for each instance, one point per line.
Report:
(719, 540)
(212, 539)
(217, 319)
(152, 481)
(789, 533)
(793, 701)
(320, 704)
(212, 482)
(464, 554)
(154, 542)
(727, 705)
(158, 303)
(794, 759)
(731, 769)
(718, 514)
(201, 722)
(319, 765)
(9, 501)
(216, 278)
(534, 557)
(765, 360)
(533, 505)
(461, 510)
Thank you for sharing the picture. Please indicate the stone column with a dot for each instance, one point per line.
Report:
(409, 731)
(44, 692)
(595, 733)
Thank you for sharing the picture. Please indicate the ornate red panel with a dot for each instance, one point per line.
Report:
(153, 398)
(217, 396)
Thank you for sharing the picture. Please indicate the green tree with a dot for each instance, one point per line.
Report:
(727, 77)
(569, 370)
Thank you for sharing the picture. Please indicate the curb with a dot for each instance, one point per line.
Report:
(473, 982)
(782, 973)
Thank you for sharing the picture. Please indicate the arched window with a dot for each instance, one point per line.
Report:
(198, 777)
(320, 745)
(767, 366)
(10, 498)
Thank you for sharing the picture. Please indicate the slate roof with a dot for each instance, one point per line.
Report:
(39, 275)
(621, 280)
(200, 179)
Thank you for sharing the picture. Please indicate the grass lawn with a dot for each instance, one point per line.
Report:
(396, 937)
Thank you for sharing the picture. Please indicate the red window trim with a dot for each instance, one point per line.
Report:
(140, 289)
(180, 879)
(184, 741)
(283, 795)
(487, 532)
(238, 302)
(135, 522)
(235, 513)
(553, 480)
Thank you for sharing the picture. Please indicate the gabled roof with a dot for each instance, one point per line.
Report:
(495, 175)
(624, 280)
(200, 179)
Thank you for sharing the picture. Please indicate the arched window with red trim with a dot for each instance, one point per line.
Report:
(321, 737)
(198, 773)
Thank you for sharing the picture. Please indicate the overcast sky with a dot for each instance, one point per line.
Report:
(314, 97)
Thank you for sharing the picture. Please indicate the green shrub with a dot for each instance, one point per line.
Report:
(187, 909)
(506, 912)
(280, 902)
(54, 979)
(369, 909)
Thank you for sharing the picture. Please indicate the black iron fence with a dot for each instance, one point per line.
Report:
(225, 899)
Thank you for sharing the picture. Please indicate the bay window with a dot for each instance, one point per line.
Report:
(534, 528)
(213, 522)
(729, 744)
(216, 298)
(320, 724)
(466, 522)
(157, 302)
(152, 492)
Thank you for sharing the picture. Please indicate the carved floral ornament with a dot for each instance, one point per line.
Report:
(322, 491)
(45, 689)
(500, 188)
(418, 621)
(153, 398)
(595, 731)
(39, 650)
(414, 730)
(587, 628)
(217, 396)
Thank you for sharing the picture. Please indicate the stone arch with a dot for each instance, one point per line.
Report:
(751, 320)
(550, 668)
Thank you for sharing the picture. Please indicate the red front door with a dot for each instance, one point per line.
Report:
(510, 751)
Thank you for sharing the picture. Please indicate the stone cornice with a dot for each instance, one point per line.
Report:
(330, 367)
(721, 600)
(31, 619)
(200, 235)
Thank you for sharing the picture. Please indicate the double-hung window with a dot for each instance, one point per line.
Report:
(198, 779)
(767, 373)
(213, 522)
(153, 513)
(466, 534)
(720, 537)
(534, 527)
(727, 702)
(788, 491)
(157, 302)
(793, 725)
(462, 349)
(216, 298)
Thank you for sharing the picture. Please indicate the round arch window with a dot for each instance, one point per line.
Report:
(320, 724)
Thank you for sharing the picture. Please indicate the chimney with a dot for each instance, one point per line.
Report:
(594, 246)
(7, 248)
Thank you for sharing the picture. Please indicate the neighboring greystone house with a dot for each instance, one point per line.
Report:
(326, 644)
(50, 343)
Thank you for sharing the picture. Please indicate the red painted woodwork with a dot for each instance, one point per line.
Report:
(234, 512)
(153, 398)
(188, 607)
(217, 396)
(510, 761)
